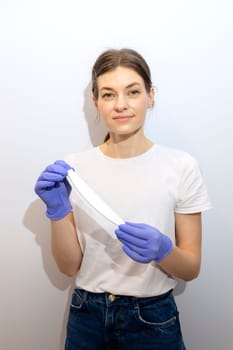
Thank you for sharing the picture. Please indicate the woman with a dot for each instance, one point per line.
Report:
(125, 275)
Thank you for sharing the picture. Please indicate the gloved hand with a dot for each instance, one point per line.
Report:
(54, 190)
(143, 243)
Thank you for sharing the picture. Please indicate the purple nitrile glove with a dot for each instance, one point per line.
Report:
(143, 243)
(54, 190)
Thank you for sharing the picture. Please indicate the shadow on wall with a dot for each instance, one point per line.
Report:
(180, 287)
(96, 129)
(36, 222)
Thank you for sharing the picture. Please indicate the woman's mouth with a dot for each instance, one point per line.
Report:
(123, 118)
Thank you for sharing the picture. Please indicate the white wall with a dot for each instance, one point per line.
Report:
(47, 51)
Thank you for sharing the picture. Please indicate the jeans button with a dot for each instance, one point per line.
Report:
(111, 297)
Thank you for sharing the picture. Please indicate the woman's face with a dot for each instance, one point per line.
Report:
(123, 100)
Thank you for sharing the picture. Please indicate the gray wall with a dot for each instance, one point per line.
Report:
(47, 51)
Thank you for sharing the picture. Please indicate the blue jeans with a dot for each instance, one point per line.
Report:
(102, 321)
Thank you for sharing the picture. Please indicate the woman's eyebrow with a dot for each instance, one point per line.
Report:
(106, 88)
(127, 87)
(132, 84)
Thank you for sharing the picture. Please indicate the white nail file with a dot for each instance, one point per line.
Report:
(79, 185)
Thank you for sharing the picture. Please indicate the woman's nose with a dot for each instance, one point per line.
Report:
(121, 103)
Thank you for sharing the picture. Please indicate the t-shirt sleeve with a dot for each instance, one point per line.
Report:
(192, 193)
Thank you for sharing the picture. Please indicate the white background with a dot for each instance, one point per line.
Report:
(47, 51)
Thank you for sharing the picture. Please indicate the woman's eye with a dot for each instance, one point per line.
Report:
(107, 96)
(134, 92)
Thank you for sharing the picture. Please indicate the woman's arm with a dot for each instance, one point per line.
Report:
(185, 259)
(65, 246)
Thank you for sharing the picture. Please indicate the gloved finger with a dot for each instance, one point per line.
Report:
(56, 169)
(137, 224)
(43, 185)
(143, 251)
(135, 256)
(125, 237)
(137, 230)
(63, 164)
(51, 176)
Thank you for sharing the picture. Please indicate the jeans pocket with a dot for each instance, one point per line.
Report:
(78, 299)
(157, 314)
(148, 318)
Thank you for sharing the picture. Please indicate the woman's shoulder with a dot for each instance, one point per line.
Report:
(175, 154)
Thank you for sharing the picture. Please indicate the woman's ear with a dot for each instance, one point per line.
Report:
(151, 97)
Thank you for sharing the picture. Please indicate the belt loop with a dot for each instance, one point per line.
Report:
(135, 302)
(85, 295)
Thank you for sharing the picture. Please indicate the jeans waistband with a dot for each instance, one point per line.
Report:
(109, 298)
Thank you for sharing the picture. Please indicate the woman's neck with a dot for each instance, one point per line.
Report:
(126, 146)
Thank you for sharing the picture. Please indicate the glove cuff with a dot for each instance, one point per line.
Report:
(60, 214)
(166, 247)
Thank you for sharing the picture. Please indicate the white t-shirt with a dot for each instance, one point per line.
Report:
(149, 189)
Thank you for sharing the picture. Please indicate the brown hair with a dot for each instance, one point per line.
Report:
(111, 59)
